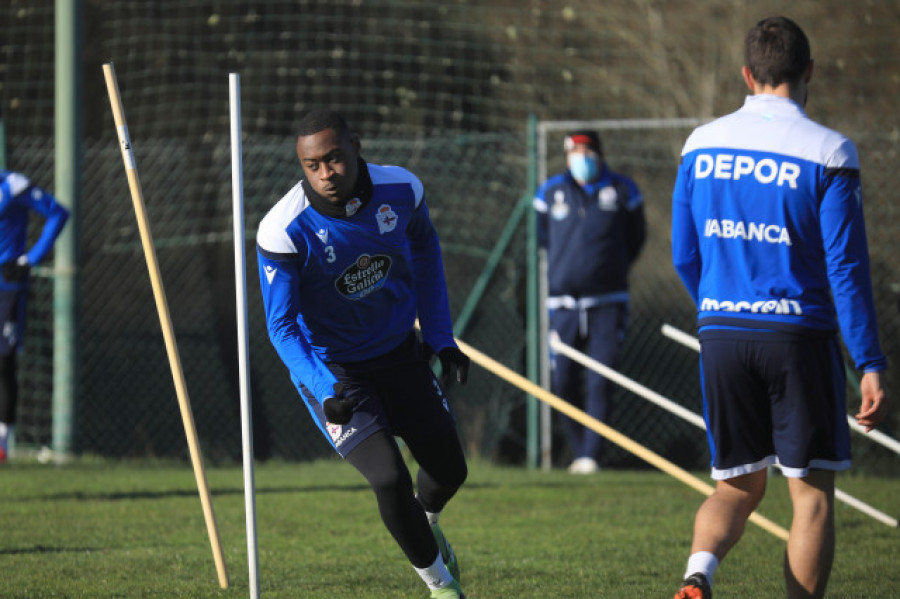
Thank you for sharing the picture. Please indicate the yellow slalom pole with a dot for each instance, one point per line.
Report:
(606, 431)
(162, 307)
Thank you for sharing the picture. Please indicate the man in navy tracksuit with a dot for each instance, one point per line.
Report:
(348, 259)
(769, 239)
(591, 222)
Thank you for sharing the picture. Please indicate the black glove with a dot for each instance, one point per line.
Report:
(13, 272)
(451, 357)
(338, 410)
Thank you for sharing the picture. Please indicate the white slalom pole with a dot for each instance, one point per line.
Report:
(873, 435)
(240, 279)
(692, 342)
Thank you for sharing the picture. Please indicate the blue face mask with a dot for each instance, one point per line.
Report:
(583, 167)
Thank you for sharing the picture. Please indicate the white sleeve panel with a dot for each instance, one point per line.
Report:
(272, 233)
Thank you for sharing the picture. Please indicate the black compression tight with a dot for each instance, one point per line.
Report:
(379, 460)
(8, 388)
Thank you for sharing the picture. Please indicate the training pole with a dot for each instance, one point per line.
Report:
(165, 321)
(240, 281)
(873, 435)
(606, 431)
(694, 419)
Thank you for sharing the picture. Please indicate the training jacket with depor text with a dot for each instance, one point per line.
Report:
(767, 227)
(348, 287)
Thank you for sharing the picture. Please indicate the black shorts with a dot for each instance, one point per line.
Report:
(772, 397)
(396, 392)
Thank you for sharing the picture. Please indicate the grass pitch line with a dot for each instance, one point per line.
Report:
(606, 431)
(165, 320)
(692, 342)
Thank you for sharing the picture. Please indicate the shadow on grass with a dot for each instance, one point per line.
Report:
(43, 549)
(152, 495)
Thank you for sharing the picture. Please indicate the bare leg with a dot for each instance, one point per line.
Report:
(810, 548)
(720, 521)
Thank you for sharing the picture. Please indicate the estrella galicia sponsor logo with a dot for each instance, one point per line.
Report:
(735, 166)
(368, 274)
(771, 306)
(731, 229)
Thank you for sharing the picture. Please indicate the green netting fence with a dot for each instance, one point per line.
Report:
(443, 88)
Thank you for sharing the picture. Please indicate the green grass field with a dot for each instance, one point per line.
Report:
(96, 529)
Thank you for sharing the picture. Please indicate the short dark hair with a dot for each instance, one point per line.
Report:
(776, 51)
(319, 120)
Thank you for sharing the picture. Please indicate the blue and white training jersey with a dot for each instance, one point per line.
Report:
(349, 288)
(767, 227)
(18, 199)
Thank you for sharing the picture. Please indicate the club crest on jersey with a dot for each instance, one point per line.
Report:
(366, 275)
(607, 198)
(559, 210)
(387, 219)
(352, 206)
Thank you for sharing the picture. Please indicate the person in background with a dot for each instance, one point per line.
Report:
(348, 259)
(769, 239)
(18, 199)
(591, 224)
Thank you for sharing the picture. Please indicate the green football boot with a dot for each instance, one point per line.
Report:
(447, 554)
(451, 591)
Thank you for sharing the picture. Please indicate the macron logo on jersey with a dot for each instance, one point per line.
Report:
(729, 229)
(736, 166)
(270, 273)
(772, 306)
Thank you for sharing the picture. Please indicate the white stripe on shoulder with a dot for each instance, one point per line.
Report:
(272, 233)
(17, 183)
(381, 174)
(790, 135)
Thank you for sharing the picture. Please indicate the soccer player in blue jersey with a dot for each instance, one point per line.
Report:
(591, 222)
(348, 259)
(18, 199)
(768, 237)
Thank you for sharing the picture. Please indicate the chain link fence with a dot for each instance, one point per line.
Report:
(444, 89)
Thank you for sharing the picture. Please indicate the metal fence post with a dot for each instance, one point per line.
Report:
(67, 105)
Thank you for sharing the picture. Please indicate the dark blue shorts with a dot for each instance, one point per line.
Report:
(773, 397)
(396, 392)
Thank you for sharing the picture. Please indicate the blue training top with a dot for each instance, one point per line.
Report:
(18, 198)
(349, 288)
(767, 227)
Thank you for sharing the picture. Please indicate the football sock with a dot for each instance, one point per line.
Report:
(436, 576)
(432, 517)
(703, 562)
